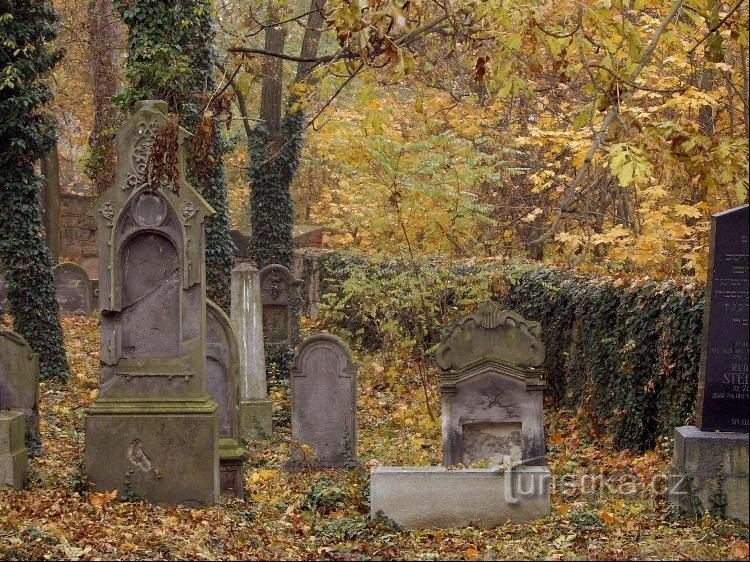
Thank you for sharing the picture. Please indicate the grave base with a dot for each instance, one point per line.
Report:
(13, 452)
(255, 420)
(231, 458)
(162, 452)
(703, 458)
(437, 497)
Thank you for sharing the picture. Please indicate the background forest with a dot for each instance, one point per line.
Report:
(599, 134)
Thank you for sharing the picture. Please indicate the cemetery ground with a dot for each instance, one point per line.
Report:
(606, 504)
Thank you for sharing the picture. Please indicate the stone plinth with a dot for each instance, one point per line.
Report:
(708, 469)
(247, 319)
(13, 452)
(19, 383)
(436, 497)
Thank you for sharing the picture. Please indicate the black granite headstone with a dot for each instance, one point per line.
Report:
(723, 392)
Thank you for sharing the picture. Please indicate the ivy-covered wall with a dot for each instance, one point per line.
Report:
(625, 353)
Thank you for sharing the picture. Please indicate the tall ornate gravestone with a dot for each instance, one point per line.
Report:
(222, 364)
(19, 399)
(324, 402)
(72, 289)
(492, 388)
(710, 464)
(247, 318)
(153, 431)
(281, 303)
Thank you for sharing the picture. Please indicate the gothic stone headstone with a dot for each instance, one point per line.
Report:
(324, 394)
(280, 296)
(247, 318)
(492, 388)
(72, 289)
(222, 364)
(714, 455)
(19, 399)
(153, 431)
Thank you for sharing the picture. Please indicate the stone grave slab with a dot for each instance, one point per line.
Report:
(72, 289)
(222, 363)
(324, 402)
(19, 383)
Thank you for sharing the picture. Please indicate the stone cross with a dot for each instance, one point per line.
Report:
(324, 402)
(153, 429)
(72, 289)
(247, 319)
(492, 388)
(222, 372)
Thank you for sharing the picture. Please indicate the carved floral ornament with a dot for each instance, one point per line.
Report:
(108, 212)
(147, 132)
(188, 212)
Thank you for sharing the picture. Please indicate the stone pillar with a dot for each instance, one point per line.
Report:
(247, 318)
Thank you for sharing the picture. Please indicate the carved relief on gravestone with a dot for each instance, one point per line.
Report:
(222, 364)
(19, 382)
(153, 402)
(72, 289)
(492, 389)
(324, 395)
(280, 296)
(724, 385)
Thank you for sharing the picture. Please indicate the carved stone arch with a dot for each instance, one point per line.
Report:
(222, 349)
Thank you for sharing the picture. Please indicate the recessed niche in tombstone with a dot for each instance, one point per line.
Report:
(492, 442)
(150, 297)
(150, 210)
(275, 323)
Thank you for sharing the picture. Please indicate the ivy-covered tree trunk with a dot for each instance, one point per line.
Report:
(170, 58)
(275, 147)
(26, 27)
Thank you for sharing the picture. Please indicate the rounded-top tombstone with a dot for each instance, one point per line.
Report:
(324, 402)
(72, 289)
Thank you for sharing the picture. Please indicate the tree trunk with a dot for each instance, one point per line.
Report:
(104, 40)
(50, 164)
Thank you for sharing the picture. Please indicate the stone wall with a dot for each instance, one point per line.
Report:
(77, 227)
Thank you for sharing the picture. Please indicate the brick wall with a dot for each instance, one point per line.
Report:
(77, 228)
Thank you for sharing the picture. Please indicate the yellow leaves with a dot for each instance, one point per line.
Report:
(691, 211)
(740, 550)
(100, 499)
(629, 164)
(263, 475)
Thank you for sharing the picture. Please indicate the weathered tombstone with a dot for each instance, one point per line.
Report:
(492, 411)
(153, 431)
(72, 289)
(19, 399)
(222, 374)
(247, 318)
(713, 457)
(90, 263)
(324, 402)
(281, 303)
(492, 388)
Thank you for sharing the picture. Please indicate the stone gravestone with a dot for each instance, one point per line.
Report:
(714, 455)
(492, 411)
(90, 263)
(324, 402)
(222, 374)
(153, 431)
(72, 289)
(19, 399)
(247, 317)
(281, 302)
(492, 388)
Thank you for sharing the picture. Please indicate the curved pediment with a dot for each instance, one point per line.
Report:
(491, 333)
